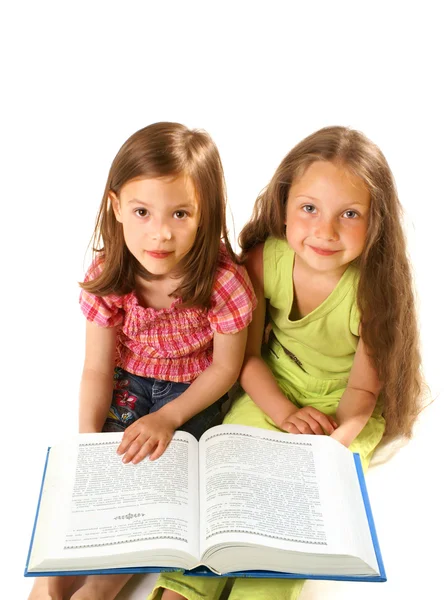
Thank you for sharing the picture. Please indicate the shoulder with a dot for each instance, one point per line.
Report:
(106, 311)
(352, 278)
(229, 275)
(275, 249)
(275, 264)
(254, 265)
(233, 298)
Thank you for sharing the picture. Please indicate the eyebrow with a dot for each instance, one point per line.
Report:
(317, 200)
(187, 204)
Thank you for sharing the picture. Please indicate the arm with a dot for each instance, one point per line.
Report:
(215, 381)
(152, 433)
(359, 399)
(257, 379)
(97, 377)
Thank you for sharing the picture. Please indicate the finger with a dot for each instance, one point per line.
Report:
(314, 426)
(160, 449)
(135, 447)
(312, 423)
(301, 425)
(289, 427)
(324, 420)
(327, 424)
(145, 450)
(128, 437)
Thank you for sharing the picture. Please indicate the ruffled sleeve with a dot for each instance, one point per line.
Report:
(233, 299)
(105, 311)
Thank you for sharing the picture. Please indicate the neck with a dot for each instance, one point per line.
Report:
(310, 273)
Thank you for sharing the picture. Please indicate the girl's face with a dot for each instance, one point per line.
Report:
(160, 219)
(327, 217)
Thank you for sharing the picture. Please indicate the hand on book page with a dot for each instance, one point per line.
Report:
(149, 435)
(309, 420)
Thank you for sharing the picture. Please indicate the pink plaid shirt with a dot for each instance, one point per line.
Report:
(176, 343)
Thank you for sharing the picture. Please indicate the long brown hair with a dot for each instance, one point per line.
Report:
(385, 292)
(164, 150)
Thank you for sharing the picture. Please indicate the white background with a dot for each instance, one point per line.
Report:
(79, 78)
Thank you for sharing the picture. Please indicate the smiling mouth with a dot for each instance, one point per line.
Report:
(323, 252)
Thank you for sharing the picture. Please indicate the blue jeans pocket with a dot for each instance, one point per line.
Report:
(131, 399)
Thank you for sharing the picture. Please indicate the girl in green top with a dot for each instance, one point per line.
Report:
(326, 254)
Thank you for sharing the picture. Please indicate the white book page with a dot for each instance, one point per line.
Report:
(280, 490)
(95, 505)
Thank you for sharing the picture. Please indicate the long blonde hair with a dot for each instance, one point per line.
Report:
(385, 292)
(164, 150)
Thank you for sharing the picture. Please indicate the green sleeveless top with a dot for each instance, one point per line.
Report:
(325, 340)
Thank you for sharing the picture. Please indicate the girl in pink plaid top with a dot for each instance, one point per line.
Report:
(167, 306)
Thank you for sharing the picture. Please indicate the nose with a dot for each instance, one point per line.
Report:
(325, 229)
(160, 230)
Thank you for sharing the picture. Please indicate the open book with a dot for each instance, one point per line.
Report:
(242, 501)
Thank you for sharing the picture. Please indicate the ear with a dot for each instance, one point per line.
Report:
(116, 206)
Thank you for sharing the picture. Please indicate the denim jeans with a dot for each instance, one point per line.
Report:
(135, 396)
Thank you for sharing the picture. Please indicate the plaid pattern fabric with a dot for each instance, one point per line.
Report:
(176, 343)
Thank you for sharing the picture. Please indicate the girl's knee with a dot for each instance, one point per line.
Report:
(101, 587)
(171, 595)
(50, 588)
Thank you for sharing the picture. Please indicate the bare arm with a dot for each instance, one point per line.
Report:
(258, 380)
(214, 382)
(359, 399)
(97, 377)
(152, 433)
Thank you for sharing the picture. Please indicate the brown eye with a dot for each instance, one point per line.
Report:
(141, 212)
(180, 214)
